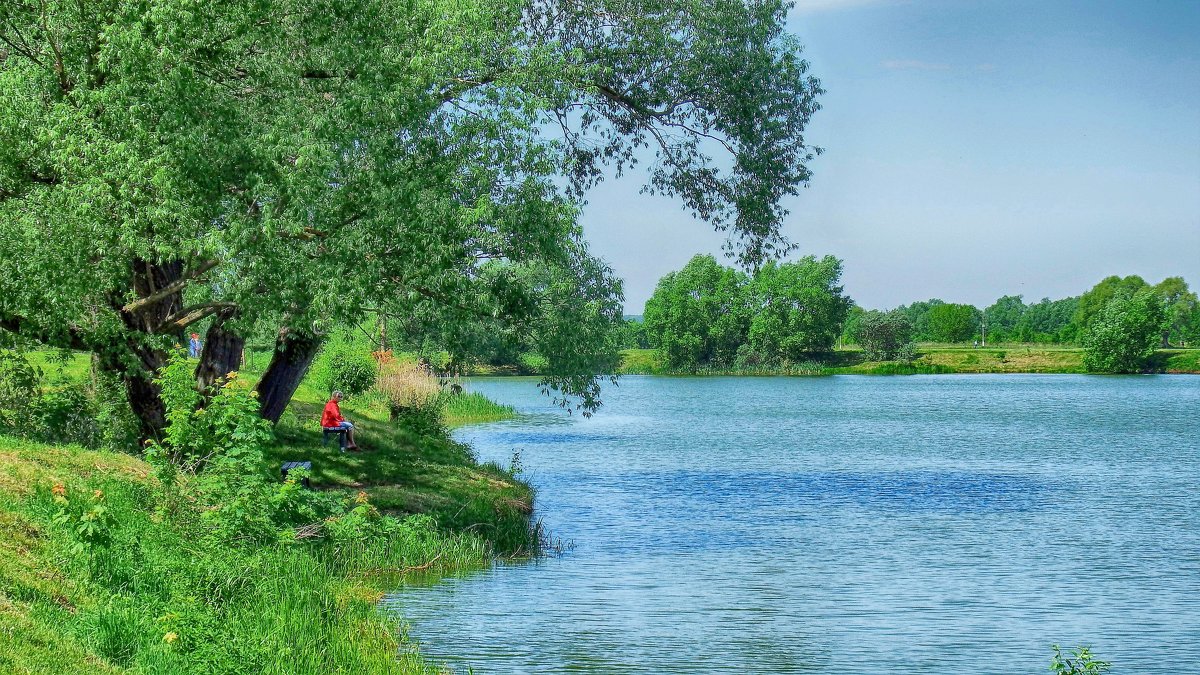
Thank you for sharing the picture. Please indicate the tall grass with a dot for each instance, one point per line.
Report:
(407, 385)
(474, 408)
(158, 595)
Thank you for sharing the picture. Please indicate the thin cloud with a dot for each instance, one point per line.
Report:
(912, 64)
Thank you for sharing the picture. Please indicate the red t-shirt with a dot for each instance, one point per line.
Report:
(332, 415)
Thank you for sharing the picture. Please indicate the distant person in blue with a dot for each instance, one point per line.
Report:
(194, 346)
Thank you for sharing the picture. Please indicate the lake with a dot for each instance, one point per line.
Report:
(847, 524)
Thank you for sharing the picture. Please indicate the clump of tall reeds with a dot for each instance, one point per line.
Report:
(408, 387)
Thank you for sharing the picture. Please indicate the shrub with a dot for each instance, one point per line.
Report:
(219, 446)
(885, 336)
(66, 416)
(345, 366)
(20, 389)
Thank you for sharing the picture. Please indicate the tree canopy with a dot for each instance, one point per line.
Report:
(286, 165)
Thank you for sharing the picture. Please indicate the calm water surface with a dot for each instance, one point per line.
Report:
(842, 525)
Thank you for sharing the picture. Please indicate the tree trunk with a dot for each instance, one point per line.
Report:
(145, 399)
(138, 364)
(222, 353)
(294, 353)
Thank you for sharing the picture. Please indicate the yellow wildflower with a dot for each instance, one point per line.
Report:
(170, 637)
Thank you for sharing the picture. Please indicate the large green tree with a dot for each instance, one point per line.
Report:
(1093, 301)
(950, 322)
(698, 315)
(1123, 335)
(1180, 305)
(287, 165)
(799, 307)
(918, 315)
(1003, 316)
(1049, 321)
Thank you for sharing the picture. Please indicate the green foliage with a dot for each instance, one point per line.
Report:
(1003, 317)
(698, 315)
(1182, 310)
(369, 155)
(20, 388)
(93, 412)
(1049, 321)
(953, 322)
(1079, 662)
(1093, 301)
(885, 336)
(218, 442)
(1123, 336)
(633, 335)
(710, 316)
(344, 365)
(918, 315)
(798, 307)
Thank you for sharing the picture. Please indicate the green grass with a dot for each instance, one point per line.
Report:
(308, 607)
(474, 408)
(157, 598)
(1180, 360)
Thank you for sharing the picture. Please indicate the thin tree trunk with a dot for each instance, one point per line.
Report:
(222, 353)
(294, 353)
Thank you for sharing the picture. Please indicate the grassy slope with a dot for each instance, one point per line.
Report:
(43, 604)
(956, 359)
(406, 472)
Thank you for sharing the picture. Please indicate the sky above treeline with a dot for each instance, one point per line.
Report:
(973, 149)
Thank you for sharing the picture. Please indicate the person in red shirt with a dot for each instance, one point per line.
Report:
(332, 420)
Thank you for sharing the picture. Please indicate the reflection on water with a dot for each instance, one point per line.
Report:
(842, 525)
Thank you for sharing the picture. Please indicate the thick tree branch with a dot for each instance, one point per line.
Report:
(190, 315)
(173, 287)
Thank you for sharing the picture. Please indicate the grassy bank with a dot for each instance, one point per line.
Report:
(147, 591)
(931, 359)
(108, 565)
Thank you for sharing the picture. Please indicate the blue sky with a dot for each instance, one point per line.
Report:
(973, 150)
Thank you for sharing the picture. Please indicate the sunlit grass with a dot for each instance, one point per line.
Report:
(473, 408)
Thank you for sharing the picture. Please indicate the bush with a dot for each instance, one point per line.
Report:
(94, 414)
(885, 336)
(219, 447)
(20, 389)
(66, 416)
(344, 366)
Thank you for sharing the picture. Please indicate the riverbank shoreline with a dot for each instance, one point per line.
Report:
(1015, 359)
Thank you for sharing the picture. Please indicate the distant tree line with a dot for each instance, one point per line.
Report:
(707, 314)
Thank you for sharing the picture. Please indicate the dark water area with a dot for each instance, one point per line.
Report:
(924, 524)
